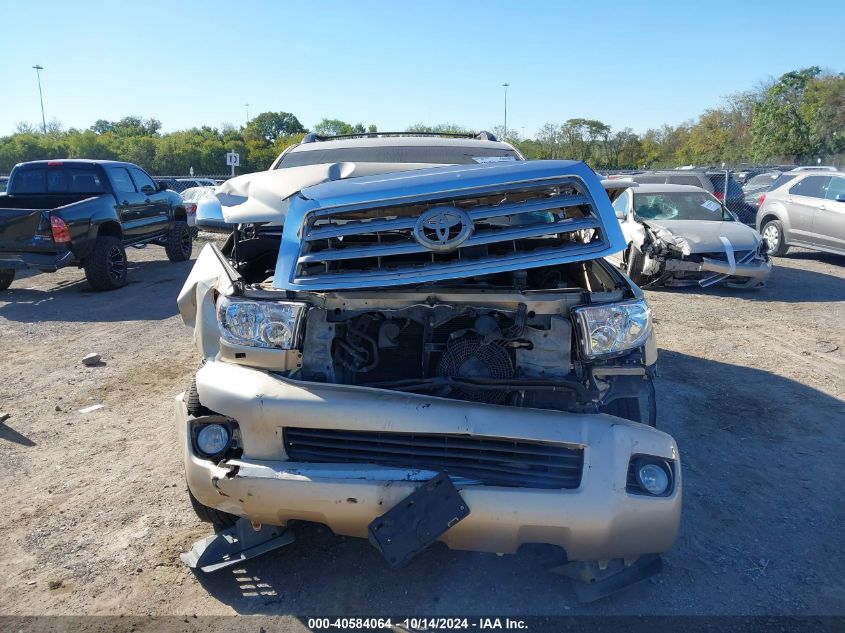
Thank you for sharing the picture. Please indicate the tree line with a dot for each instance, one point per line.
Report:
(797, 118)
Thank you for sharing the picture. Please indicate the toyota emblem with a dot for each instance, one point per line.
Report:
(442, 228)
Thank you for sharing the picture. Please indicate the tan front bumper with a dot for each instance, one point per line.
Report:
(597, 521)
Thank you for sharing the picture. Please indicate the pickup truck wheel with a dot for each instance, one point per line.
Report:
(773, 234)
(179, 242)
(635, 261)
(642, 410)
(7, 276)
(105, 268)
(218, 518)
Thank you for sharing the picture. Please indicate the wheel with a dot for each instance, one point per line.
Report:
(105, 267)
(773, 234)
(642, 410)
(218, 518)
(7, 276)
(179, 242)
(635, 262)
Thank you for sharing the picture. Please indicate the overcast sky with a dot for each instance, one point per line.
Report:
(188, 63)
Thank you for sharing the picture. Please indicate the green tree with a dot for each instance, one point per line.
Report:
(271, 125)
(780, 127)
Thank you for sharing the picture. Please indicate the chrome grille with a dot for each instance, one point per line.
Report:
(490, 460)
(513, 227)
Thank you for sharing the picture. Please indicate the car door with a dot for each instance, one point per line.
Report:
(802, 204)
(621, 206)
(130, 202)
(155, 213)
(829, 221)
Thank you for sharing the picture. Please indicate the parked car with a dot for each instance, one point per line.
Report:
(682, 235)
(815, 168)
(373, 335)
(191, 197)
(757, 185)
(180, 184)
(711, 181)
(807, 209)
(85, 212)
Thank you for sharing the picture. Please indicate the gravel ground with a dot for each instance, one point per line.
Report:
(96, 511)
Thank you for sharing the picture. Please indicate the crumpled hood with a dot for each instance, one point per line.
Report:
(264, 196)
(704, 236)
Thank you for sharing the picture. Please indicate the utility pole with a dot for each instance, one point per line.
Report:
(505, 133)
(247, 113)
(38, 70)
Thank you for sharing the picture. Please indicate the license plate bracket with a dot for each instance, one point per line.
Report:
(418, 520)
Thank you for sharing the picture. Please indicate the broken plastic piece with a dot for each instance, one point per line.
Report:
(235, 545)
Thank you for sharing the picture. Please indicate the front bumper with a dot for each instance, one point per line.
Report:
(597, 521)
(743, 274)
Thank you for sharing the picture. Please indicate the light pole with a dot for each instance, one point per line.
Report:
(38, 70)
(505, 133)
(247, 113)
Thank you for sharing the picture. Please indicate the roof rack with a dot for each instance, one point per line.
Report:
(313, 137)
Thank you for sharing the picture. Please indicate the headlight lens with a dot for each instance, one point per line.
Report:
(212, 439)
(653, 478)
(609, 329)
(268, 324)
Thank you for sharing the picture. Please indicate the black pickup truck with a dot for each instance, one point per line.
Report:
(84, 212)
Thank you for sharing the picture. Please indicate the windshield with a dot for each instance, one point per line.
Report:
(435, 155)
(679, 205)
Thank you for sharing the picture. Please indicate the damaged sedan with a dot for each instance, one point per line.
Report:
(408, 354)
(679, 235)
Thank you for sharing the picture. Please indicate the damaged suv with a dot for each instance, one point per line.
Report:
(413, 353)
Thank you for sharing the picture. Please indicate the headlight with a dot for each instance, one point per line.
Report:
(609, 329)
(653, 478)
(212, 439)
(269, 324)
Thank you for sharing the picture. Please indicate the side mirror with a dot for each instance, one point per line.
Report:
(840, 197)
(162, 186)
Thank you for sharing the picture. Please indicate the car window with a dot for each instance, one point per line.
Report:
(835, 188)
(761, 180)
(811, 186)
(679, 205)
(141, 179)
(120, 180)
(620, 205)
(685, 180)
(781, 180)
(435, 155)
(58, 179)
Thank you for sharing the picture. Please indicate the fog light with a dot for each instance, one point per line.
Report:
(653, 478)
(212, 439)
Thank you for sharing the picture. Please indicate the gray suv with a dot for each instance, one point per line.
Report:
(806, 210)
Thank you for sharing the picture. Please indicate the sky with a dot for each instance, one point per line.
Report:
(192, 62)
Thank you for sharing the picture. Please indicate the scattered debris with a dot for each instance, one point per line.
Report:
(91, 360)
(56, 584)
(93, 407)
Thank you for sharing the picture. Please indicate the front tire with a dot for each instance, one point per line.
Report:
(179, 242)
(642, 410)
(219, 519)
(634, 265)
(7, 276)
(105, 268)
(773, 234)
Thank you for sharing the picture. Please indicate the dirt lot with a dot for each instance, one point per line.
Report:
(96, 511)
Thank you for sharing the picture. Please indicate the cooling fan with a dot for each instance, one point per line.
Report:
(471, 357)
